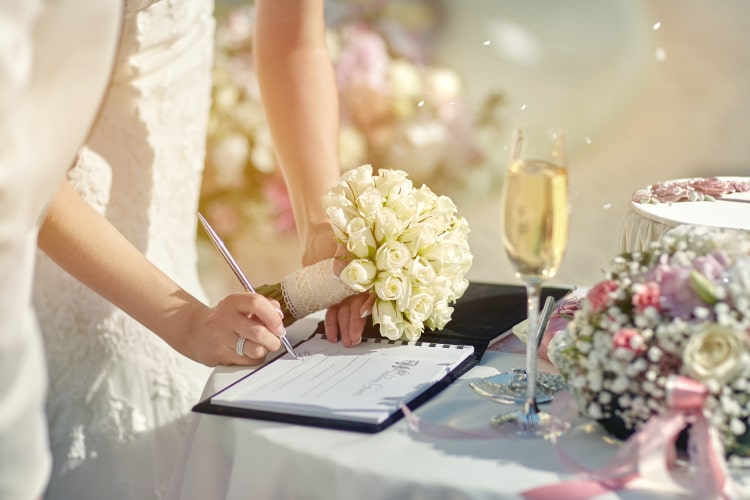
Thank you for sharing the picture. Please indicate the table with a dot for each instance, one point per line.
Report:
(231, 458)
(647, 222)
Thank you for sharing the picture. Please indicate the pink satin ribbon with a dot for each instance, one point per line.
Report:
(649, 454)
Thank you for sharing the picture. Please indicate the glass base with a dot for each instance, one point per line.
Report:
(533, 423)
(510, 387)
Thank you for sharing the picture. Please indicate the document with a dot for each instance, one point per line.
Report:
(362, 388)
(359, 388)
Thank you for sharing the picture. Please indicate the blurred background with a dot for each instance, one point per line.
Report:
(646, 90)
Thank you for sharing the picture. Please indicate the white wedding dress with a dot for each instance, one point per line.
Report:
(119, 397)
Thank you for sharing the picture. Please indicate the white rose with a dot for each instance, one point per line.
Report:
(359, 274)
(411, 332)
(384, 313)
(361, 241)
(392, 256)
(370, 201)
(420, 308)
(441, 289)
(441, 315)
(404, 78)
(393, 287)
(386, 226)
(339, 223)
(444, 83)
(334, 199)
(393, 182)
(418, 236)
(421, 271)
(715, 353)
(403, 205)
(357, 179)
(443, 255)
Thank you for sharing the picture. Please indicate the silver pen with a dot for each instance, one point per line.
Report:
(238, 272)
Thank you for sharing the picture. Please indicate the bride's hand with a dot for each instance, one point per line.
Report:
(213, 337)
(345, 320)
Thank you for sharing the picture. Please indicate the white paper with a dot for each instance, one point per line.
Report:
(364, 383)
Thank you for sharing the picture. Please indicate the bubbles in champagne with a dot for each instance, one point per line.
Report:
(535, 217)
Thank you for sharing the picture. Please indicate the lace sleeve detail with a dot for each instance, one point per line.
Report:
(313, 288)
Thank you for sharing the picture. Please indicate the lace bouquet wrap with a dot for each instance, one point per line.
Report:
(407, 246)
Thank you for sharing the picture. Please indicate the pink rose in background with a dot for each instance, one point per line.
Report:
(714, 186)
(697, 189)
(646, 295)
(598, 296)
(630, 339)
(363, 60)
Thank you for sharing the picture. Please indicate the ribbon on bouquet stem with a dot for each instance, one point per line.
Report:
(649, 454)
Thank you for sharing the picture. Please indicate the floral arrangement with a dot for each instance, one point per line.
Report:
(696, 189)
(406, 245)
(681, 308)
(398, 110)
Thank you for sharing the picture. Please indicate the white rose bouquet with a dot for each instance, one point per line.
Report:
(407, 246)
(679, 309)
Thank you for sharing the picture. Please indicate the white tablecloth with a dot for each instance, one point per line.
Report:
(233, 458)
(647, 222)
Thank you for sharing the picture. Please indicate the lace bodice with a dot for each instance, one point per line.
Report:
(115, 386)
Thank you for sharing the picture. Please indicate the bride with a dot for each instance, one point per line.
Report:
(120, 397)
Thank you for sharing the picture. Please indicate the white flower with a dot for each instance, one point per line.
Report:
(392, 256)
(361, 241)
(406, 245)
(387, 226)
(389, 319)
(715, 353)
(393, 287)
(359, 274)
(421, 271)
(419, 307)
(441, 315)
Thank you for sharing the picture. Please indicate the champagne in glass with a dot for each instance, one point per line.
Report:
(535, 222)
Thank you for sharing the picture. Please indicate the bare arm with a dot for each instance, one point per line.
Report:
(298, 88)
(87, 246)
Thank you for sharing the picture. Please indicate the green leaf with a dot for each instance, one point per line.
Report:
(703, 287)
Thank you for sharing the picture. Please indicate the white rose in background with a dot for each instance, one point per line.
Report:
(715, 353)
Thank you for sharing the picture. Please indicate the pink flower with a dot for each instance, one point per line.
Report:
(646, 295)
(363, 60)
(599, 295)
(630, 339)
(714, 186)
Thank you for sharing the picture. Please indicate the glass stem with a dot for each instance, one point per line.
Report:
(532, 303)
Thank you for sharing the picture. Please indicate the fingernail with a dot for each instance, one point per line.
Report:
(365, 313)
(357, 342)
(280, 331)
(281, 313)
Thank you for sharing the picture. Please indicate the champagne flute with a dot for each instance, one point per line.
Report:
(535, 219)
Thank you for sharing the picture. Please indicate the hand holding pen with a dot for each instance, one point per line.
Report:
(219, 244)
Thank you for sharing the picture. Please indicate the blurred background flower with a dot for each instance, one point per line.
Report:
(399, 110)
